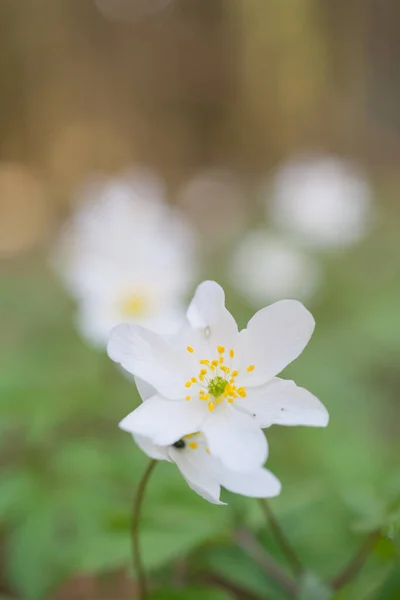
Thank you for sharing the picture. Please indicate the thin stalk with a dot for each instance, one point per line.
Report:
(260, 556)
(281, 538)
(355, 565)
(137, 557)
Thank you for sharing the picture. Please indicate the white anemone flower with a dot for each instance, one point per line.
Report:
(267, 267)
(126, 256)
(217, 380)
(205, 474)
(324, 201)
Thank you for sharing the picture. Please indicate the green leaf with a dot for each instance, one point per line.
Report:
(235, 566)
(193, 593)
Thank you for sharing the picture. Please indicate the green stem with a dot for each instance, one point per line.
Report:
(356, 564)
(137, 557)
(281, 538)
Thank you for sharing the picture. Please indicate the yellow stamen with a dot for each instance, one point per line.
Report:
(204, 362)
(230, 400)
(193, 445)
(212, 367)
(221, 360)
(235, 373)
(208, 450)
(190, 349)
(211, 406)
(231, 353)
(215, 363)
(194, 380)
(219, 400)
(188, 397)
(220, 349)
(188, 384)
(250, 368)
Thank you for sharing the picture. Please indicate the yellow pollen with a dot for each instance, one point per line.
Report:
(220, 349)
(193, 445)
(215, 363)
(231, 353)
(221, 360)
(225, 369)
(194, 380)
(212, 368)
(190, 349)
(188, 384)
(219, 400)
(230, 400)
(235, 373)
(204, 362)
(187, 397)
(250, 368)
(211, 406)
(134, 305)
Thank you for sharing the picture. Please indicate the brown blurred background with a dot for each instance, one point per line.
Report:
(193, 83)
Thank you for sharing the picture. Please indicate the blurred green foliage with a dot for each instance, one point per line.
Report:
(68, 473)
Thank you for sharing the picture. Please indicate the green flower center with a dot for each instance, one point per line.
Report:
(216, 386)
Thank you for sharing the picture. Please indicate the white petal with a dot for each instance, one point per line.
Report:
(282, 402)
(152, 450)
(198, 479)
(235, 438)
(259, 483)
(144, 389)
(207, 312)
(274, 337)
(164, 421)
(152, 358)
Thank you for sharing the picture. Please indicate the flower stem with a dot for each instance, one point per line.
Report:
(356, 564)
(281, 538)
(137, 557)
(260, 556)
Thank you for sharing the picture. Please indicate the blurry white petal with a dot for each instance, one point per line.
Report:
(151, 449)
(274, 337)
(152, 358)
(259, 483)
(267, 268)
(282, 402)
(144, 389)
(163, 421)
(198, 478)
(207, 312)
(235, 438)
(323, 200)
(126, 256)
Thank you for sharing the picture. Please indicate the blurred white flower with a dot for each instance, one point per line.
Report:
(213, 379)
(215, 200)
(266, 268)
(126, 256)
(324, 201)
(205, 473)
